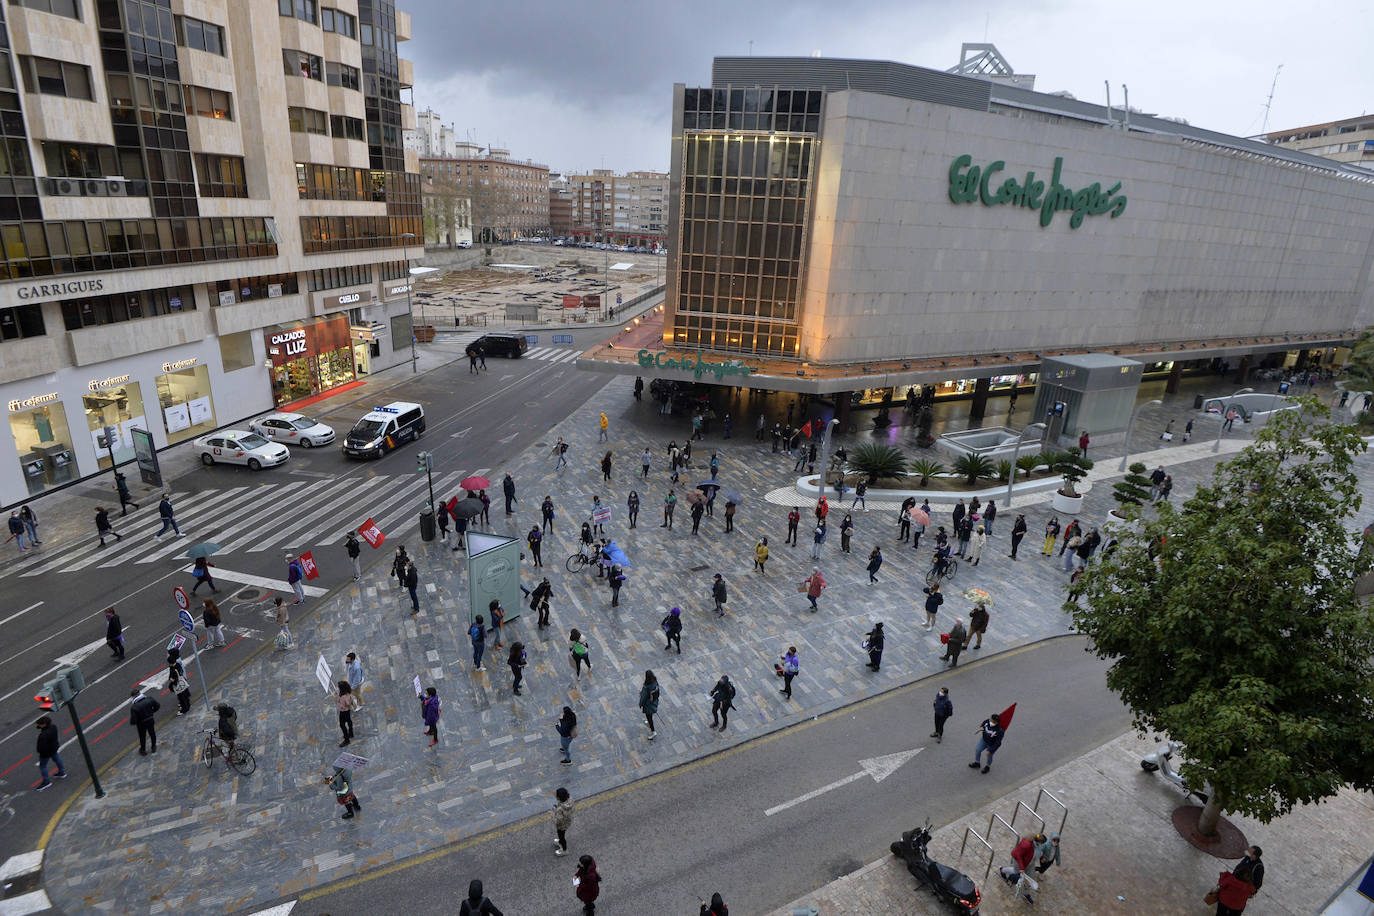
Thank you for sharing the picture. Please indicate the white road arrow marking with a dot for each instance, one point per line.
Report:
(878, 767)
(76, 656)
(461, 433)
(280, 585)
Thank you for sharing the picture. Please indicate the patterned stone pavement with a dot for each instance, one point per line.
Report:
(172, 835)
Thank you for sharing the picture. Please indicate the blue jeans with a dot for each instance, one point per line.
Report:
(565, 743)
(983, 746)
(414, 599)
(168, 522)
(477, 649)
(43, 767)
(32, 529)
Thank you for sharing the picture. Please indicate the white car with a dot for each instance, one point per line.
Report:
(239, 446)
(293, 429)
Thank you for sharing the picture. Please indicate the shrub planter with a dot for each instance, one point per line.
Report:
(1066, 505)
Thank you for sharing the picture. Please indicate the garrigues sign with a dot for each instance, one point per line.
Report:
(969, 183)
(697, 365)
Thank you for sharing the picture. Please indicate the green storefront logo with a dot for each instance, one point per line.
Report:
(697, 365)
(969, 183)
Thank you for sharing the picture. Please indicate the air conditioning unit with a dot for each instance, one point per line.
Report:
(64, 187)
(117, 187)
(94, 187)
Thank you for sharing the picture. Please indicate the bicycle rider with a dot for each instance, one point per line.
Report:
(942, 554)
(228, 726)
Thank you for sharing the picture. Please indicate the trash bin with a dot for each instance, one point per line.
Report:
(427, 525)
(1197, 402)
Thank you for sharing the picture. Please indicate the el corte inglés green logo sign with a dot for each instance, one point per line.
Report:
(697, 365)
(969, 183)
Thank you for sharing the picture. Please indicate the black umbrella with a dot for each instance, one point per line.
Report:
(468, 507)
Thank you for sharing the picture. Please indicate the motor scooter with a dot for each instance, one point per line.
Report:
(949, 885)
(1161, 762)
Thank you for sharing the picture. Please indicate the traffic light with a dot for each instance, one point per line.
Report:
(63, 688)
(44, 702)
(425, 461)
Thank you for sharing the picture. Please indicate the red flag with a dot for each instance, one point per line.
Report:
(452, 505)
(1004, 718)
(371, 533)
(308, 565)
(806, 429)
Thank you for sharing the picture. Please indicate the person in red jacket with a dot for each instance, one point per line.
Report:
(1021, 855)
(588, 884)
(1234, 891)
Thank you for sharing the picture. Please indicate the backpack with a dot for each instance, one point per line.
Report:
(477, 633)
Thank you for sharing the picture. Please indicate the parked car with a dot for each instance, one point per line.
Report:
(240, 446)
(384, 428)
(293, 429)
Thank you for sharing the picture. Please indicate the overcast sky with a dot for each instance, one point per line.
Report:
(588, 84)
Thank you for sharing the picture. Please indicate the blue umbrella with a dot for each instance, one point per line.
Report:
(709, 483)
(732, 496)
(203, 549)
(616, 555)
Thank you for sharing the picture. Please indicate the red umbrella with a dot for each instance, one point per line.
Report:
(920, 516)
(474, 483)
(1004, 718)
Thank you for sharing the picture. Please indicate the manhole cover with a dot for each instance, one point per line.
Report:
(249, 593)
(700, 568)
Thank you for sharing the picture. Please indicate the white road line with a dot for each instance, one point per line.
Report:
(205, 523)
(240, 514)
(280, 585)
(394, 519)
(18, 866)
(357, 490)
(25, 904)
(151, 544)
(338, 532)
(21, 613)
(537, 353)
(283, 909)
(277, 511)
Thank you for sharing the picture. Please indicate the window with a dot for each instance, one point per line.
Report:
(247, 289)
(69, 8)
(299, 9)
(394, 270)
(347, 233)
(98, 310)
(220, 176)
(335, 277)
(80, 160)
(336, 21)
(342, 75)
(22, 321)
(299, 63)
(56, 77)
(203, 36)
(346, 128)
(307, 121)
(208, 103)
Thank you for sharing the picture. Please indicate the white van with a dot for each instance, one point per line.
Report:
(384, 428)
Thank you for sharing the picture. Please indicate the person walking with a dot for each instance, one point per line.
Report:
(722, 701)
(546, 510)
(476, 903)
(716, 907)
(566, 726)
(168, 516)
(295, 577)
(143, 716)
(354, 670)
(1022, 854)
(1051, 535)
(933, 601)
(606, 463)
(355, 550)
(789, 667)
(214, 623)
(579, 654)
(341, 781)
(122, 488)
(114, 634)
(648, 700)
(1018, 531)
(178, 682)
(793, 520)
(412, 582)
(1233, 890)
(718, 594)
(989, 513)
(539, 601)
(560, 452)
(730, 508)
(1188, 430)
(761, 554)
(46, 751)
(698, 510)
(605, 426)
(508, 491)
(954, 645)
(669, 504)
(345, 702)
(714, 465)
(672, 628)
(460, 531)
(990, 735)
(103, 528)
(813, 585)
(430, 708)
(516, 661)
(29, 519)
(632, 507)
(639, 388)
(875, 563)
(645, 460)
(587, 884)
(1047, 851)
(846, 532)
(200, 571)
(977, 625)
(283, 616)
(477, 635)
(873, 644)
(860, 492)
(615, 578)
(562, 820)
(1083, 443)
(533, 539)
(817, 539)
(498, 621)
(944, 708)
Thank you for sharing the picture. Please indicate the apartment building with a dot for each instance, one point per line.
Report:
(431, 138)
(560, 208)
(206, 211)
(1351, 140)
(509, 198)
(629, 209)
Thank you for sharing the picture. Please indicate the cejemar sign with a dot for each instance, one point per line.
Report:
(697, 365)
(969, 183)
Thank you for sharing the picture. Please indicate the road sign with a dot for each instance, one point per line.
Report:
(187, 623)
(176, 642)
(183, 599)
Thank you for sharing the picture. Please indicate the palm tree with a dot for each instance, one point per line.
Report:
(926, 468)
(974, 466)
(877, 460)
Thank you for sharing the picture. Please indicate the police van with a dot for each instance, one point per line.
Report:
(385, 428)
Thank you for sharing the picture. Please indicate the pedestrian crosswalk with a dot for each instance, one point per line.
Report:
(286, 515)
(553, 354)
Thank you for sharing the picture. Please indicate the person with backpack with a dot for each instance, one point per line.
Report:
(933, 601)
(178, 682)
(560, 450)
(718, 595)
(944, 708)
(430, 708)
(355, 551)
(579, 654)
(672, 626)
(860, 491)
(517, 661)
(441, 517)
(566, 726)
(476, 903)
(539, 601)
(716, 907)
(722, 701)
(788, 668)
(478, 634)
(648, 700)
(534, 539)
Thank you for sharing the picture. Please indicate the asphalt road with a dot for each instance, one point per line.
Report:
(662, 843)
(473, 422)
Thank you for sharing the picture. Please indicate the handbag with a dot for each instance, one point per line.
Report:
(777, 669)
(347, 798)
(801, 587)
(944, 639)
(1212, 897)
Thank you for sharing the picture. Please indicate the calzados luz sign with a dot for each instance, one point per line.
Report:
(697, 365)
(969, 183)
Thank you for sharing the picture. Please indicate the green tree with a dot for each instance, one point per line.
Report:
(1359, 373)
(925, 468)
(877, 460)
(1233, 625)
(974, 466)
(1072, 465)
(1134, 488)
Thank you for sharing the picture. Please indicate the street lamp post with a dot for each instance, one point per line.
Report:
(1126, 452)
(410, 311)
(1216, 446)
(1011, 478)
(825, 456)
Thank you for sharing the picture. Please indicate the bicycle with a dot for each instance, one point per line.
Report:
(236, 756)
(577, 562)
(951, 567)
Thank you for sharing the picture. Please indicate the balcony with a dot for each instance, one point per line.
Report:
(402, 26)
(406, 72)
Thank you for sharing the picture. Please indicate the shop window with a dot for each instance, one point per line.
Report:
(44, 445)
(187, 409)
(22, 321)
(236, 351)
(309, 358)
(246, 289)
(111, 413)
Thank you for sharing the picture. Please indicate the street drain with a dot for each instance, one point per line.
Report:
(700, 568)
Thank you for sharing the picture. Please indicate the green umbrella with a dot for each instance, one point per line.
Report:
(203, 549)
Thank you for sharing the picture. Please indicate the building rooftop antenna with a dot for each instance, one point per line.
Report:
(1264, 128)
